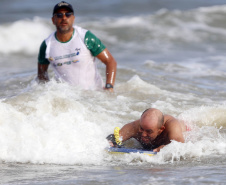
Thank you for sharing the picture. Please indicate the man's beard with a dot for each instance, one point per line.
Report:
(64, 29)
(146, 140)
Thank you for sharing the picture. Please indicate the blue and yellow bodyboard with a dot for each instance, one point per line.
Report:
(113, 150)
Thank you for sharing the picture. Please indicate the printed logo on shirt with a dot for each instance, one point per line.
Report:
(65, 63)
(69, 55)
(75, 61)
(78, 50)
(50, 58)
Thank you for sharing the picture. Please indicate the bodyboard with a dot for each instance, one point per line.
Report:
(113, 150)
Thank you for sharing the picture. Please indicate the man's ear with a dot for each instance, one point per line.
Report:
(53, 21)
(161, 129)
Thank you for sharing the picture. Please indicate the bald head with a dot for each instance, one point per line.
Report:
(152, 116)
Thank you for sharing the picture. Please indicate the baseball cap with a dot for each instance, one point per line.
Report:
(62, 4)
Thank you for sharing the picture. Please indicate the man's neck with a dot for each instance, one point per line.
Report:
(65, 37)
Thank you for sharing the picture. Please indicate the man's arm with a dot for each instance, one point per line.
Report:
(99, 50)
(129, 130)
(43, 64)
(111, 66)
(174, 131)
(42, 72)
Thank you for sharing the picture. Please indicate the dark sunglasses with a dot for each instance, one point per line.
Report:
(67, 14)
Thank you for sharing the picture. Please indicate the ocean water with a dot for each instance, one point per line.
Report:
(170, 55)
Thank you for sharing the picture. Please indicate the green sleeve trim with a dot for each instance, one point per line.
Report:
(93, 43)
(42, 54)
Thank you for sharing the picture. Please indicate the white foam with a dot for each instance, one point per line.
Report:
(213, 115)
(24, 36)
(58, 123)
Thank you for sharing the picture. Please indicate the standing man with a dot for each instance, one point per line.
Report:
(153, 130)
(71, 52)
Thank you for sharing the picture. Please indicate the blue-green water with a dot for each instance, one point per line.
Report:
(171, 56)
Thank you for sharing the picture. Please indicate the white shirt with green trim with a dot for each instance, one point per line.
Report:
(72, 61)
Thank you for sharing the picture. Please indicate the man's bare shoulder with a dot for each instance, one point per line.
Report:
(135, 125)
(169, 119)
(129, 130)
(172, 122)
